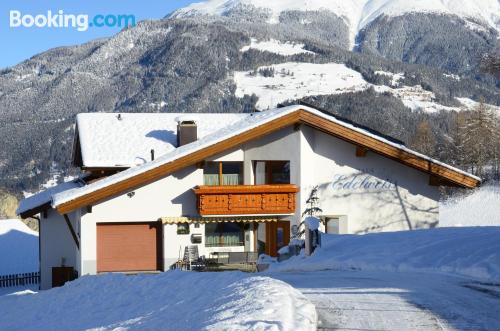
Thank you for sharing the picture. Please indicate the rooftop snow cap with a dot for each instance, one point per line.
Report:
(187, 130)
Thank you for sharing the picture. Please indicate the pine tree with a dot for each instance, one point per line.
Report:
(312, 202)
(424, 140)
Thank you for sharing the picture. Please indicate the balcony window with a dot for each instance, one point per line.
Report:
(223, 173)
(224, 235)
(272, 172)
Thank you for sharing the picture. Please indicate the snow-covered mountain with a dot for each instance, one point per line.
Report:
(356, 13)
(410, 62)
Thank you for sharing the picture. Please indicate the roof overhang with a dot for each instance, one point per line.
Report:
(36, 210)
(162, 167)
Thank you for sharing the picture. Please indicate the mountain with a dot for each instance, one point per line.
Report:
(357, 14)
(238, 56)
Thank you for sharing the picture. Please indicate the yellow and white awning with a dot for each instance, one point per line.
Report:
(232, 219)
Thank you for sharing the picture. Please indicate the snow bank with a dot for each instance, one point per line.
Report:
(172, 300)
(18, 247)
(472, 252)
(477, 209)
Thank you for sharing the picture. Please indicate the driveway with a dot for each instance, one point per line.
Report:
(362, 300)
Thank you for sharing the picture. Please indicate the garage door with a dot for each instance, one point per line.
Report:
(128, 246)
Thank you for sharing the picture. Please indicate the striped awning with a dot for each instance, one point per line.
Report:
(232, 219)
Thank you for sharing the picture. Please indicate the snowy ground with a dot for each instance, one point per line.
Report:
(371, 300)
(438, 279)
(18, 248)
(277, 47)
(168, 301)
(477, 209)
(468, 251)
(295, 80)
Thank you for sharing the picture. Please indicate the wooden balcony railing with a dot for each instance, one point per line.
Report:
(246, 199)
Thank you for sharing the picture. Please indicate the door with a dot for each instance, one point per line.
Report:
(277, 236)
(129, 246)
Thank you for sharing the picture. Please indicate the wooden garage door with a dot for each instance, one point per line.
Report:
(128, 246)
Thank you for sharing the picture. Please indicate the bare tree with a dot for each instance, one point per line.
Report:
(477, 138)
(424, 140)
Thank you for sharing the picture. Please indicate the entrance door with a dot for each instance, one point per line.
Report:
(128, 247)
(277, 236)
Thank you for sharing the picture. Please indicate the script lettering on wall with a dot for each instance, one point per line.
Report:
(362, 180)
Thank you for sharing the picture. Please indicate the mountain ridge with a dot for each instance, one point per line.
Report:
(357, 14)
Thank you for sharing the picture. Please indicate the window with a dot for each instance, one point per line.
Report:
(272, 172)
(211, 173)
(223, 173)
(335, 224)
(332, 225)
(224, 234)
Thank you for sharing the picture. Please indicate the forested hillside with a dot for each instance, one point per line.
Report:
(403, 71)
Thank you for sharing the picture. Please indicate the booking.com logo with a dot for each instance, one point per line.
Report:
(80, 22)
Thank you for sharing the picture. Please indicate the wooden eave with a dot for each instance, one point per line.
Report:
(297, 117)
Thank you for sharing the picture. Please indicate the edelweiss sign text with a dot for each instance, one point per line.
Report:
(59, 19)
(361, 181)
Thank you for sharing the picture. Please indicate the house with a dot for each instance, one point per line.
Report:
(156, 183)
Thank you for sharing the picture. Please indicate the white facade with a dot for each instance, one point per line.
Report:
(57, 246)
(371, 193)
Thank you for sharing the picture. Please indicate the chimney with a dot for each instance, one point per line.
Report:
(187, 130)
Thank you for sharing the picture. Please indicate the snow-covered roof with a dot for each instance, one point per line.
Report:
(126, 140)
(45, 197)
(229, 130)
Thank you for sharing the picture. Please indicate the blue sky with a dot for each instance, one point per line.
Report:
(21, 43)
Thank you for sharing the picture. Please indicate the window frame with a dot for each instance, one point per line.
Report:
(268, 164)
(221, 235)
(220, 166)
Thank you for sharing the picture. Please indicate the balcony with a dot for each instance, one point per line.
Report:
(246, 199)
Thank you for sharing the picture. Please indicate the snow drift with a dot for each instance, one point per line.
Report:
(482, 207)
(19, 247)
(168, 301)
(472, 252)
